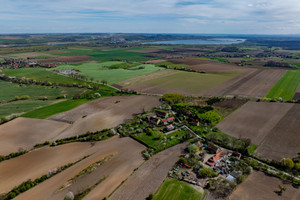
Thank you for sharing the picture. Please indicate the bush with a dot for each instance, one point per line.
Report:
(173, 98)
(206, 172)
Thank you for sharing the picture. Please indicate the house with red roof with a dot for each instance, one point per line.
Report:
(213, 160)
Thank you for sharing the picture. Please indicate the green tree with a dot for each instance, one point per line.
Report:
(288, 163)
(193, 149)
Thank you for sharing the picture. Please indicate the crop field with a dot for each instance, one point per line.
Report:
(149, 177)
(253, 83)
(284, 139)
(171, 81)
(105, 55)
(106, 112)
(102, 71)
(286, 86)
(103, 113)
(23, 106)
(273, 127)
(45, 112)
(10, 90)
(24, 133)
(41, 74)
(179, 190)
(125, 157)
(260, 186)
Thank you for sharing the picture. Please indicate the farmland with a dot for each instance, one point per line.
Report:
(261, 186)
(286, 87)
(125, 158)
(104, 55)
(45, 112)
(42, 74)
(10, 90)
(102, 71)
(271, 126)
(93, 116)
(174, 189)
(171, 81)
(148, 178)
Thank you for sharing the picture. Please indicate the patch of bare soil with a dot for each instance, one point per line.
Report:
(297, 94)
(259, 186)
(23, 133)
(284, 139)
(103, 113)
(148, 178)
(127, 157)
(254, 120)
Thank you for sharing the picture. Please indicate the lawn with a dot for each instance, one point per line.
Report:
(173, 189)
(10, 90)
(19, 107)
(110, 72)
(296, 65)
(53, 109)
(191, 82)
(286, 86)
(156, 143)
(105, 55)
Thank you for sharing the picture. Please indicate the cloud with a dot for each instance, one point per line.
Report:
(214, 16)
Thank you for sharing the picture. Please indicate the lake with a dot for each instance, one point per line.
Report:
(202, 41)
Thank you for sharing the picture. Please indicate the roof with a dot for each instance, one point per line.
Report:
(170, 126)
(212, 161)
(230, 178)
(171, 118)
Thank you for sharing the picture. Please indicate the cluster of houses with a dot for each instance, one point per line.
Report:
(161, 118)
(20, 63)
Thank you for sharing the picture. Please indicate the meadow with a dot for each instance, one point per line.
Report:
(23, 106)
(174, 189)
(112, 71)
(10, 90)
(286, 86)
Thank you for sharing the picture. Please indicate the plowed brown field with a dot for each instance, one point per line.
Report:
(148, 178)
(127, 157)
(259, 186)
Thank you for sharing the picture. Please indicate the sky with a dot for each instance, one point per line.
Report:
(150, 16)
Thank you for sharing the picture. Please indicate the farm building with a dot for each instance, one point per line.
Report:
(213, 160)
(161, 114)
(170, 127)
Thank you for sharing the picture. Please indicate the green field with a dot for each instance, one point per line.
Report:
(105, 55)
(41, 74)
(296, 65)
(191, 82)
(103, 71)
(19, 107)
(224, 60)
(177, 190)
(10, 90)
(53, 109)
(286, 86)
(155, 141)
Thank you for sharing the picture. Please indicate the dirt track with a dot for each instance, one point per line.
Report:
(127, 157)
(24, 133)
(104, 113)
(254, 120)
(148, 178)
(259, 186)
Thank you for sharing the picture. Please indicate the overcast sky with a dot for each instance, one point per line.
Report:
(151, 16)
